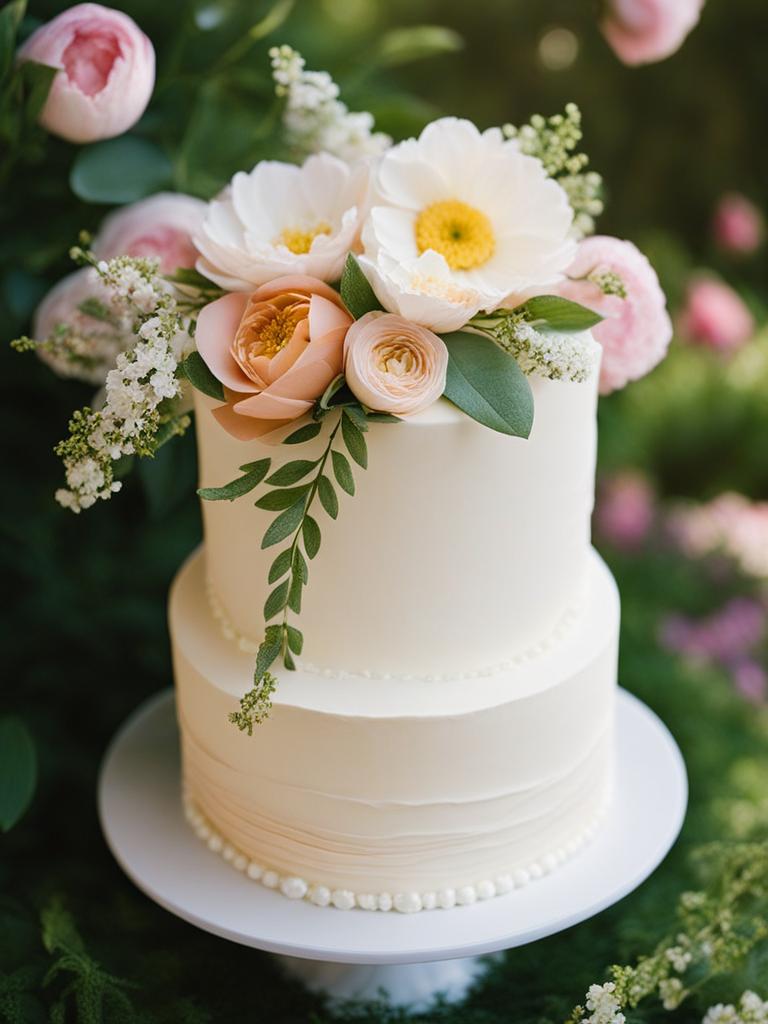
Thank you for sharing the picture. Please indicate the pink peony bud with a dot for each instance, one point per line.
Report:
(161, 227)
(715, 315)
(106, 72)
(636, 331)
(738, 224)
(625, 510)
(645, 31)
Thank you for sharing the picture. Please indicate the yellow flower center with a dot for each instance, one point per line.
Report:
(395, 358)
(299, 240)
(277, 330)
(459, 232)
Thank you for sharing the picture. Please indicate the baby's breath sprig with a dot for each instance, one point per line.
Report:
(553, 140)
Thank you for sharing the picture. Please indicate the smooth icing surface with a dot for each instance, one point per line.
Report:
(461, 547)
(402, 789)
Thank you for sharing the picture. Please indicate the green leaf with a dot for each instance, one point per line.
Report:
(300, 567)
(550, 312)
(357, 415)
(10, 19)
(354, 440)
(343, 472)
(382, 417)
(305, 433)
(276, 601)
(488, 385)
(311, 533)
(291, 472)
(358, 296)
(280, 566)
(288, 661)
(294, 595)
(295, 639)
(285, 524)
(37, 79)
(120, 170)
(275, 500)
(236, 488)
(336, 385)
(327, 496)
(403, 45)
(197, 373)
(269, 651)
(18, 770)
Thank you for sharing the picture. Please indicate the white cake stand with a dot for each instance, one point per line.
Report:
(361, 954)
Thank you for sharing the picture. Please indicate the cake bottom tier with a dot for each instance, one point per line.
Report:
(405, 794)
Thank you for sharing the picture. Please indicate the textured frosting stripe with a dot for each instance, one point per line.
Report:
(565, 625)
(441, 897)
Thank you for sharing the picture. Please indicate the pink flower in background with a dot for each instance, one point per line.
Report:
(636, 331)
(161, 226)
(625, 510)
(275, 351)
(731, 524)
(715, 315)
(106, 72)
(725, 636)
(750, 680)
(645, 31)
(738, 225)
(393, 365)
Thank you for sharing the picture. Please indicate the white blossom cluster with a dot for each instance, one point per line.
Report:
(85, 348)
(751, 1010)
(315, 119)
(145, 376)
(603, 1005)
(549, 354)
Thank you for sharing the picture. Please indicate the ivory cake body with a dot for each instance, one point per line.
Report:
(449, 734)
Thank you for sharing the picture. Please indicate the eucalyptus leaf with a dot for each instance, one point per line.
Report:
(311, 533)
(415, 42)
(291, 472)
(197, 373)
(358, 296)
(284, 524)
(288, 661)
(294, 595)
(354, 439)
(275, 500)
(305, 433)
(280, 566)
(236, 488)
(327, 496)
(120, 170)
(295, 639)
(356, 413)
(551, 312)
(343, 472)
(300, 567)
(269, 650)
(18, 770)
(276, 601)
(488, 385)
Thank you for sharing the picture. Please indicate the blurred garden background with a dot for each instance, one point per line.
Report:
(682, 513)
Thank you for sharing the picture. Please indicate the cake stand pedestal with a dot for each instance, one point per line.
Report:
(362, 954)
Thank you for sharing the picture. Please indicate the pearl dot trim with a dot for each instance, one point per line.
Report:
(295, 888)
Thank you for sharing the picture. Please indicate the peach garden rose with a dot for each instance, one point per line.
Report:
(275, 351)
(393, 365)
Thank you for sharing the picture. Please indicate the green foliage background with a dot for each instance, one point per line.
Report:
(85, 636)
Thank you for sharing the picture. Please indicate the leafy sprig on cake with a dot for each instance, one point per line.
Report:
(359, 287)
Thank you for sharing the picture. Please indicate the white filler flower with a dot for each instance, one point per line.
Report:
(282, 219)
(460, 221)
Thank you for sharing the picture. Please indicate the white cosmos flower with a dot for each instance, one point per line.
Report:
(282, 219)
(460, 221)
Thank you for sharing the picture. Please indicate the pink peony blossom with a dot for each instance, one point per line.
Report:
(645, 31)
(636, 331)
(738, 224)
(625, 510)
(106, 72)
(275, 351)
(715, 315)
(393, 365)
(161, 226)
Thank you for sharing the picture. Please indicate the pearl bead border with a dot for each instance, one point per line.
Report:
(562, 628)
(296, 888)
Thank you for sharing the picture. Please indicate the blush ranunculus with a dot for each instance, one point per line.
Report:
(393, 365)
(738, 224)
(275, 351)
(715, 315)
(160, 227)
(636, 331)
(645, 31)
(106, 73)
